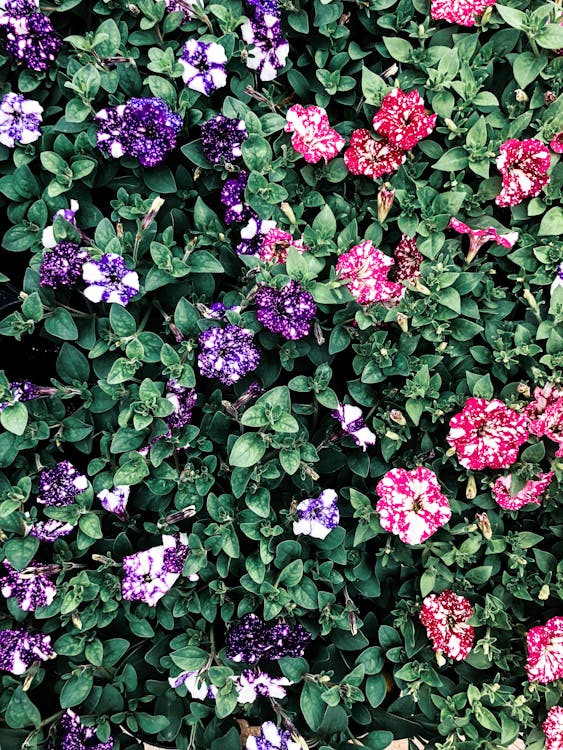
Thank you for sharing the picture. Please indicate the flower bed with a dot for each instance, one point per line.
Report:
(282, 403)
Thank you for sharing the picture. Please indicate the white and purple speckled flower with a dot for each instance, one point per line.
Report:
(227, 353)
(19, 649)
(183, 400)
(109, 280)
(62, 265)
(203, 66)
(269, 50)
(197, 687)
(68, 214)
(253, 234)
(10, 9)
(115, 500)
(60, 485)
(317, 516)
(49, 531)
(272, 738)
(150, 574)
(78, 737)
(19, 120)
(222, 138)
(353, 424)
(32, 586)
(32, 41)
(254, 683)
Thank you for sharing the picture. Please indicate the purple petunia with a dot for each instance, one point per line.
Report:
(352, 423)
(25, 391)
(150, 574)
(50, 531)
(287, 311)
(253, 639)
(78, 737)
(227, 353)
(269, 49)
(253, 234)
(183, 400)
(317, 516)
(32, 586)
(19, 120)
(62, 265)
(196, 685)
(222, 138)
(31, 39)
(232, 197)
(203, 66)
(68, 214)
(271, 738)
(109, 280)
(144, 128)
(115, 500)
(10, 9)
(19, 649)
(60, 485)
(254, 683)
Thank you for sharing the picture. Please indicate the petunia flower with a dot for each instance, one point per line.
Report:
(545, 652)
(271, 738)
(109, 280)
(19, 649)
(364, 268)
(78, 737)
(60, 485)
(352, 423)
(32, 41)
(317, 516)
(19, 120)
(408, 260)
(253, 234)
(115, 500)
(62, 265)
(150, 574)
(553, 728)
(227, 353)
(372, 157)
(402, 119)
(523, 165)
(222, 138)
(312, 135)
(50, 531)
(196, 685)
(268, 48)
(31, 586)
(545, 415)
(531, 492)
(68, 214)
(478, 237)
(445, 617)
(253, 639)
(287, 311)
(254, 683)
(463, 12)
(275, 245)
(203, 66)
(556, 143)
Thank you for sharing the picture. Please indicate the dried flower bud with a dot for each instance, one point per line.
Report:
(524, 389)
(484, 525)
(549, 97)
(471, 488)
(403, 322)
(395, 415)
(521, 96)
(544, 593)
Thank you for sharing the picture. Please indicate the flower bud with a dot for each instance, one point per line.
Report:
(395, 415)
(385, 199)
(403, 322)
(544, 593)
(548, 98)
(524, 389)
(450, 124)
(288, 211)
(392, 435)
(440, 659)
(471, 488)
(521, 96)
(156, 205)
(484, 525)
(486, 15)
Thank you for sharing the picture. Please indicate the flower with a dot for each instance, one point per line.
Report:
(364, 268)
(262, 7)
(269, 49)
(317, 515)
(487, 434)
(151, 573)
(462, 12)
(60, 485)
(253, 639)
(253, 234)
(531, 492)
(558, 280)
(271, 738)
(556, 143)
(144, 128)
(197, 687)
(523, 165)
(352, 423)
(183, 400)
(445, 618)
(545, 415)
(372, 157)
(275, 245)
(31, 39)
(203, 66)
(51, 530)
(412, 504)
(402, 119)
(545, 651)
(251, 684)
(187, 7)
(10, 9)
(23, 391)
(32, 586)
(115, 500)
(385, 198)
(19, 120)
(287, 311)
(78, 737)
(19, 649)
(227, 353)
(312, 135)
(553, 728)
(109, 280)
(232, 195)
(68, 214)
(478, 237)
(408, 260)
(62, 266)
(222, 138)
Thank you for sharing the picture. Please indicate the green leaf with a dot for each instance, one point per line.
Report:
(376, 690)
(552, 222)
(453, 160)
(72, 365)
(257, 153)
(398, 48)
(21, 712)
(374, 87)
(14, 418)
(190, 658)
(312, 706)
(291, 574)
(61, 325)
(20, 552)
(248, 450)
(512, 16)
(201, 261)
(483, 387)
(527, 67)
(77, 689)
(132, 472)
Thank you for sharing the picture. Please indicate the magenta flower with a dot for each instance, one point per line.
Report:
(545, 651)
(364, 268)
(531, 492)
(445, 617)
(402, 119)
(408, 260)
(478, 237)
(370, 157)
(463, 12)
(556, 143)
(275, 245)
(312, 135)
(545, 415)
(523, 165)
(553, 728)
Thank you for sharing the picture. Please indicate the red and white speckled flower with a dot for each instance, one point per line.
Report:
(478, 237)
(531, 492)
(553, 728)
(370, 157)
(312, 135)
(365, 268)
(546, 415)
(523, 165)
(556, 143)
(545, 651)
(445, 618)
(545, 396)
(411, 504)
(462, 12)
(402, 119)
(275, 245)
(487, 434)
(408, 259)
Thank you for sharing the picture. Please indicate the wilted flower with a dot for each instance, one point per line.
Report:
(254, 683)
(402, 119)
(545, 651)
(385, 199)
(287, 311)
(275, 245)
(19, 649)
(197, 687)
(60, 485)
(523, 165)
(62, 266)
(352, 423)
(553, 728)
(150, 574)
(78, 737)
(203, 66)
(370, 157)
(32, 40)
(531, 492)
(487, 434)
(32, 586)
(478, 237)
(462, 12)
(269, 49)
(253, 639)
(19, 120)
(364, 268)
(115, 500)
(23, 390)
(412, 504)
(109, 280)
(144, 128)
(222, 138)
(183, 400)
(227, 353)
(445, 618)
(317, 516)
(51, 530)
(312, 135)
(68, 214)
(271, 738)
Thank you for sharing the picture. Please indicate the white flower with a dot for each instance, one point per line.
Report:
(196, 685)
(317, 516)
(19, 120)
(251, 684)
(115, 500)
(48, 237)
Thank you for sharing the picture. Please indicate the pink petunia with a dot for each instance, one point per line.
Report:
(549, 421)
(312, 135)
(370, 157)
(487, 434)
(478, 237)
(364, 268)
(556, 143)
(523, 165)
(411, 504)
(545, 651)
(402, 119)
(408, 259)
(531, 492)
(275, 245)
(462, 12)
(553, 728)
(445, 618)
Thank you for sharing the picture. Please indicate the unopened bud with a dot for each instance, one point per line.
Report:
(385, 199)
(352, 623)
(471, 488)
(442, 346)
(421, 31)
(544, 593)
(440, 659)
(521, 96)
(181, 515)
(403, 322)
(390, 71)
(549, 97)
(309, 471)
(76, 621)
(450, 124)
(318, 333)
(530, 299)
(119, 231)
(524, 389)
(484, 525)
(392, 435)
(156, 205)
(288, 211)
(485, 18)
(395, 415)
